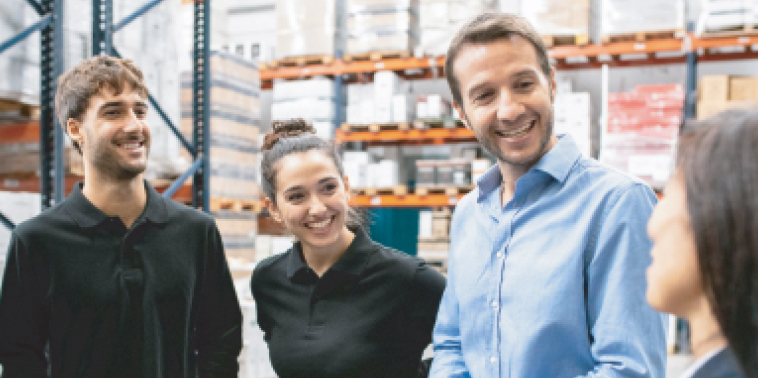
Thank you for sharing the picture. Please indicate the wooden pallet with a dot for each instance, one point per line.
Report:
(377, 55)
(566, 40)
(235, 204)
(299, 61)
(397, 190)
(731, 32)
(644, 36)
(15, 109)
(374, 127)
(446, 190)
(448, 123)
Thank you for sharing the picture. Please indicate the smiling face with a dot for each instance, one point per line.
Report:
(674, 282)
(507, 101)
(114, 135)
(312, 200)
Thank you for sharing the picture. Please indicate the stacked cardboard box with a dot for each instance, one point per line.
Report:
(381, 25)
(444, 173)
(311, 99)
(439, 20)
(721, 92)
(558, 17)
(434, 236)
(234, 126)
(642, 129)
(309, 27)
(725, 15)
(571, 112)
(641, 16)
(366, 170)
(383, 101)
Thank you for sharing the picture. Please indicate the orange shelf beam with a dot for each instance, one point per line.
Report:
(409, 200)
(413, 136)
(19, 132)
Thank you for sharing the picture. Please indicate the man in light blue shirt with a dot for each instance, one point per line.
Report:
(548, 254)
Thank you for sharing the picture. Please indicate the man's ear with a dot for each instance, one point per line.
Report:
(462, 114)
(269, 204)
(75, 130)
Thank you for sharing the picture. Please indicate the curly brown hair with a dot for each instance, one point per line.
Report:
(87, 79)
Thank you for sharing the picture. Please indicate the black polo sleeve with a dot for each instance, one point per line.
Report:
(23, 317)
(219, 317)
(427, 287)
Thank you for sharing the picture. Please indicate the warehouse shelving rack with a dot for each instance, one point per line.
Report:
(53, 183)
(689, 50)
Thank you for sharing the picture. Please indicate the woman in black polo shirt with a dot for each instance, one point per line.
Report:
(336, 304)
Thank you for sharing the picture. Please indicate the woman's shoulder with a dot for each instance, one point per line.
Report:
(722, 365)
(411, 267)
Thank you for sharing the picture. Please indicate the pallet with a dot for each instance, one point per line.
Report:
(447, 123)
(377, 55)
(12, 109)
(644, 36)
(446, 190)
(235, 204)
(374, 127)
(299, 61)
(566, 40)
(397, 190)
(732, 32)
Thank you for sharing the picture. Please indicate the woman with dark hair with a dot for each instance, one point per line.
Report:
(705, 253)
(336, 304)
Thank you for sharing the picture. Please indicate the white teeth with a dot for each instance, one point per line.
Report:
(320, 225)
(131, 145)
(518, 132)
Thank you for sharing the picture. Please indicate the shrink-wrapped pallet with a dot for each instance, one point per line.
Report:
(381, 25)
(621, 17)
(728, 15)
(439, 20)
(559, 17)
(234, 125)
(309, 27)
(311, 99)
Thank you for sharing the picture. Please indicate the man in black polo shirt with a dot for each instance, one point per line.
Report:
(116, 281)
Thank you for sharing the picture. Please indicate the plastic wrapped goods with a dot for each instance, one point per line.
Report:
(381, 25)
(558, 17)
(720, 15)
(439, 20)
(637, 16)
(308, 27)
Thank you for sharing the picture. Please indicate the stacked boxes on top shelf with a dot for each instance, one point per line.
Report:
(434, 237)
(642, 129)
(559, 21)
(309, 28)
(311, 99)
(439, 20)
(641, 19)
(719, 16)
(235, 121)
(381, 26)
(721, 92)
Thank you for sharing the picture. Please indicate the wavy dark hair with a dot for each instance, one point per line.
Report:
(297, 136)
(720, 165)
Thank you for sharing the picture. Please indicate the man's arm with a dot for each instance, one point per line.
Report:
(628, 335)
(219, 318)
(23, 318)
(448, 356)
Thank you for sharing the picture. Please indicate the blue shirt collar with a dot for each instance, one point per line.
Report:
(557, 163)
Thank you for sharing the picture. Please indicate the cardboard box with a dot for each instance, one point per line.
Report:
(708, 109)
(743, 89)
(714, 88)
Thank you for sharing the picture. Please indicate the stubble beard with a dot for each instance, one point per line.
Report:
(490, 144)
(106, 160)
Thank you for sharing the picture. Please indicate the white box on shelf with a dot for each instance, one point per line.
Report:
(437, 107)
(425, 224)
(402, 110)
(386, 174)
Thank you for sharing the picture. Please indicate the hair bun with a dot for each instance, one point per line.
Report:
(286, 129)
